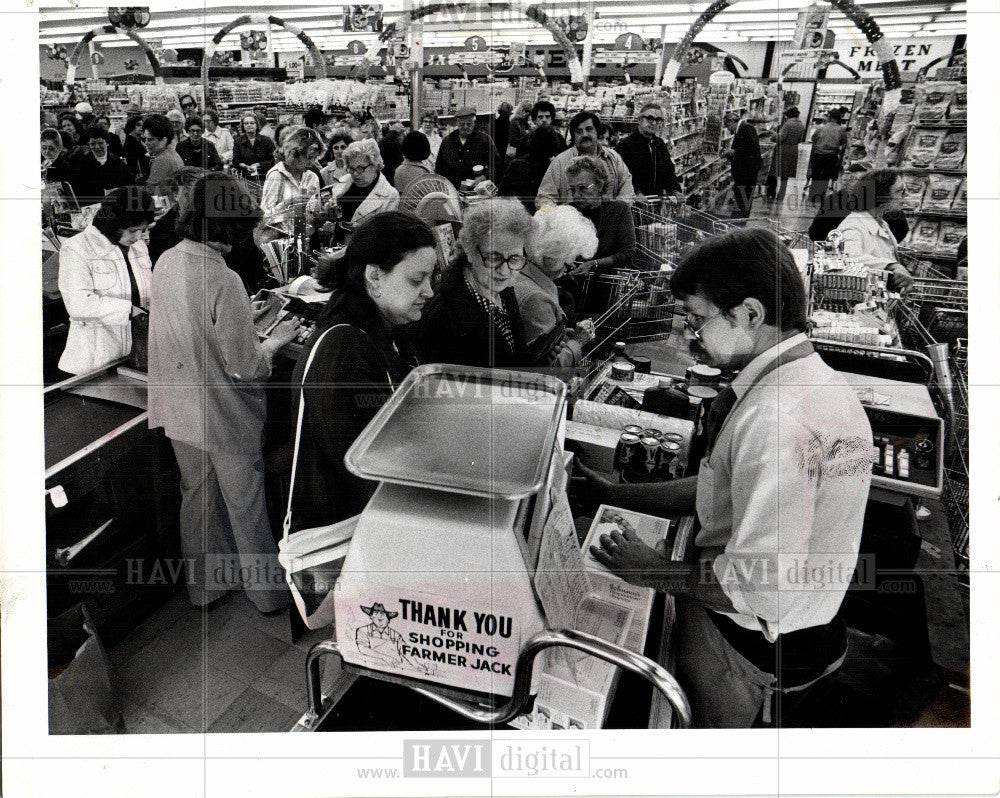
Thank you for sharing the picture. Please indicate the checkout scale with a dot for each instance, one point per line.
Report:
(450, 585)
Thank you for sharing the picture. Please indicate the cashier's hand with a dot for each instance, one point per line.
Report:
(624, 553)
(588, 483)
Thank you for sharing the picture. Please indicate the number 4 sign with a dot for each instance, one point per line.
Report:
(630, 41)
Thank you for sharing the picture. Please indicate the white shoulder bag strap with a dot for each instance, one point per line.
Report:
(287, 525)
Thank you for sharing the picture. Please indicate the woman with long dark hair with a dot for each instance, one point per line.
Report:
(358, 354)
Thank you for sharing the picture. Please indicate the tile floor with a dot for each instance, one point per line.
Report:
(226, 670)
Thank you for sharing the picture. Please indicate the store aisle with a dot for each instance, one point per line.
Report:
(227, 670)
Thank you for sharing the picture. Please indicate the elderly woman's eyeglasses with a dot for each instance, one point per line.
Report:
(359, 170)
(495, 260)
(585, 189)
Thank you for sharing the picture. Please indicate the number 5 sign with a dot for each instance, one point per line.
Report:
(475, 44)
(630, 41)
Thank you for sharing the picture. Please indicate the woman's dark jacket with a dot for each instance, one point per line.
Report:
(455, 328)
(353, 373)
(261, 151)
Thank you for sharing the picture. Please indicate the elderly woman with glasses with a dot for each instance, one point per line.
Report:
(253, 152)
(369, 192)
(587, 179)
(559, 236)
(474, 318)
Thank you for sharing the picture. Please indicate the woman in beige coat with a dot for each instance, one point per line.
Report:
(104, 279)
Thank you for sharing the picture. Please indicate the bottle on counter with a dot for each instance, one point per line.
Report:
(665, 400)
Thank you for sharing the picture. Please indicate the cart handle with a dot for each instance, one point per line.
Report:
(521, 698)
(880, 351)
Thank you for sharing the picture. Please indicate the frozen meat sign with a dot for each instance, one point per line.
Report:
(420, 635)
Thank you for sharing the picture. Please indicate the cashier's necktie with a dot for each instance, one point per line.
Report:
(717, 413)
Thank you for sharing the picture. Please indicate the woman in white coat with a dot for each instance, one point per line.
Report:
(104, 278)
(867, 236)
(369, 192)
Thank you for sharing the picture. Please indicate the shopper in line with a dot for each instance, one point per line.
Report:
(585, 128)
(55, 165)
(867, 236)
(206, 374)
(253, 153)
(524, 175)
(74, 136)
(559, 237)
(587, 180)
(98, 171)
(467, 153)
(163, 159)
(133, 151)
(647, 156)
(429, 127)
(290, 185)
(416, 150)
(336, 170)
(785, 482)
(177, 120)
(786, 151)
(500, 130)
(163, 234)
(189, 106)
(196, 150)
(114, 142)
(368, 192)
(829, 141)
(104, 280)
(744, 161)
(357, 356)
(474, 318)
(541, 114)
(218, 135)
(520, 127)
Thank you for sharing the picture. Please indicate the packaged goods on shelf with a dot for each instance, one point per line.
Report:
(951, 154)
(915, 185)
(961, 202)
(924, 235)
(958, 110)
(923, 148)
(941, 191)
(865, 329)
(950, 237)
(932, 101)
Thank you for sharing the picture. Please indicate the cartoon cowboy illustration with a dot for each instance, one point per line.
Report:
(381, 644)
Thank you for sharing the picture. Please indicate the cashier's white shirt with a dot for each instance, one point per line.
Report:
(783, 495)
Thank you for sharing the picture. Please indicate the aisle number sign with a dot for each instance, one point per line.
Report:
(630, 41)
(476, 44)
(356, 47)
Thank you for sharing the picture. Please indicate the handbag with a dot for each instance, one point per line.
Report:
(312, 558)
(139, 356)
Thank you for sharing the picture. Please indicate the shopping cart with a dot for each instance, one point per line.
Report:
(661, 234)
(793, 239)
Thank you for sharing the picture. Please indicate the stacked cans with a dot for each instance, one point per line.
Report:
(648, 455)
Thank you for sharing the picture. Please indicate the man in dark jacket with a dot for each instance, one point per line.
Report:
(647, 157)
(744, 162)
(98, 171)
(464, 149)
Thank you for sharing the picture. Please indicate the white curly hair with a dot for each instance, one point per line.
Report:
(562, 234)
(491, 217)
(364, 150)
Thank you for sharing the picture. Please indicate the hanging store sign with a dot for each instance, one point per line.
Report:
(811, 27)
(911, 55)
(357, 47)
(476, 44)
(630, 41)
(367, 19)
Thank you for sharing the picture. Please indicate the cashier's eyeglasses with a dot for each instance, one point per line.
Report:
(495, 260)
(696, 331)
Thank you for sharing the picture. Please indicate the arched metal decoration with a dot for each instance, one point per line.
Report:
(859, 16)
(105, 29)
(535, 13)
(260, 19)
(848, 67)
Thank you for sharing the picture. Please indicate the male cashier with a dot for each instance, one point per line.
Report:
(782, 490)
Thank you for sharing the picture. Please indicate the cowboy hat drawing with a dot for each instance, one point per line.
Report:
(377, 607)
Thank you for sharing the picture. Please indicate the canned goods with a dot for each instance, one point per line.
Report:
(700, 374)
(627, 450)
(676, 437)
(634, 429)
(650, 449)
(652, 433)
(623, 371)
(643, 365)
(666, 459)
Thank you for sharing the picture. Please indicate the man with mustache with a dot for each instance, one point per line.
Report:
(782, 489)
(586, 129)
